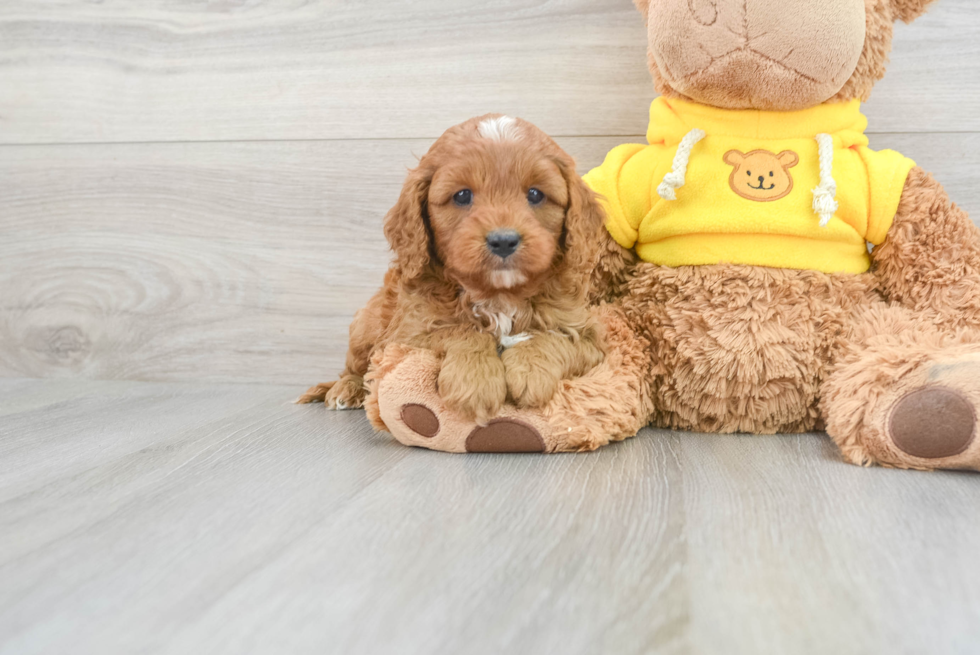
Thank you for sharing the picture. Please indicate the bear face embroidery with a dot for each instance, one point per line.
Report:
(761, 175)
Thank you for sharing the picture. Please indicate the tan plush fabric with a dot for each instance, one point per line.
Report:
(771, 54)
(765, 54)
(931, 259)
(740, 348)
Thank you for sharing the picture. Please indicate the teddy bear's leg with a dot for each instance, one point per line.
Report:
(905, 393)
(609, 403)
(906, 389)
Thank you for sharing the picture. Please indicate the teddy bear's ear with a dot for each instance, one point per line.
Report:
(643, 6)
(909, 10)
(734, 157)
(788, 159)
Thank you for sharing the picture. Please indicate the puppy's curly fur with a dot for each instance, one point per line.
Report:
(510, 326)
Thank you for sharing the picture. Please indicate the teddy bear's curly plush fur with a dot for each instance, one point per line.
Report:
(887, 361)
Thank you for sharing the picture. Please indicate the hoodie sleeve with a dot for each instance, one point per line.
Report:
(887, 172)
(623, 191)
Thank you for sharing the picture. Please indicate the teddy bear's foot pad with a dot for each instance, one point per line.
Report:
(502, 435)
(505, 435)
(410, 408)
(420, 419)
(933, 422)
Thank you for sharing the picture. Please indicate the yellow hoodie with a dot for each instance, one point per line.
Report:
(780, 189)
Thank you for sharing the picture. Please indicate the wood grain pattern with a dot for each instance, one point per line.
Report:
(819, 556)
(171, 70)
(228, 262)
(235, 262)
(163, 518)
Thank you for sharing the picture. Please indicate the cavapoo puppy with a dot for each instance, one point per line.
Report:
(495, 237)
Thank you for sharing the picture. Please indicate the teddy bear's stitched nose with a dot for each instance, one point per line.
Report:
(762, 179)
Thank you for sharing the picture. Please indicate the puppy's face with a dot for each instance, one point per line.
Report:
(497, 204)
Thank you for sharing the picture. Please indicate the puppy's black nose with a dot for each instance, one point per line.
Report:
(503, 243)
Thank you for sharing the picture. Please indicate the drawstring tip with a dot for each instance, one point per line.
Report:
(825, 204)
(675, 178)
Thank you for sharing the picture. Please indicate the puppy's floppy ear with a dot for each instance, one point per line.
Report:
(584, 219)
(909, 10)
(406, 224)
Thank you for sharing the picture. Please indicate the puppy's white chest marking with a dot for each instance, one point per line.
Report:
(507, 279)
(508, 341)
(503, 324)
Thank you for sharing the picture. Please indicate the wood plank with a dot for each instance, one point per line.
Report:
(791, 550)
(214, 518)
(288, 524)
(19, 395)
(227, 262)
(170, 70)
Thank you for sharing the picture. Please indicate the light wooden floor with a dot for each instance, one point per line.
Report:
(180, 518)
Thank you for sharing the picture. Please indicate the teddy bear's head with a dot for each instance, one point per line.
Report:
(771, 54)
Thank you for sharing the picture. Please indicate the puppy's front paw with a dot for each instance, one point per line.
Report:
(315, 394)
(530, 380)
(346, 393)
(473, 384)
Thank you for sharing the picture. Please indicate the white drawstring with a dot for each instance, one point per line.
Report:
(824, 196)
(675, 178)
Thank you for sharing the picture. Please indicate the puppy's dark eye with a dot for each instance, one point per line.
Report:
(463, 197)
(535, 196)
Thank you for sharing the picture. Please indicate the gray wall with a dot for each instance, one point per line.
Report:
(194, 190)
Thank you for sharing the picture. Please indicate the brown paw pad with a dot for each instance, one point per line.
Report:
(933, 422)
(421, 419)
(504, 435)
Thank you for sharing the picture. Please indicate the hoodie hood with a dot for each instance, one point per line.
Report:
(672, 119)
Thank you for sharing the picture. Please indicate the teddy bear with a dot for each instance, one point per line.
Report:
(762, 269)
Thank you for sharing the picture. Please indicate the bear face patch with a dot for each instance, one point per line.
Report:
(761, 175)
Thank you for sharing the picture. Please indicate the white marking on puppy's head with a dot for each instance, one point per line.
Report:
(507, 279)
(502, 128)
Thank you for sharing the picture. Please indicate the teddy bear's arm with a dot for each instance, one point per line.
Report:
(930, 260)
(613, 268)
